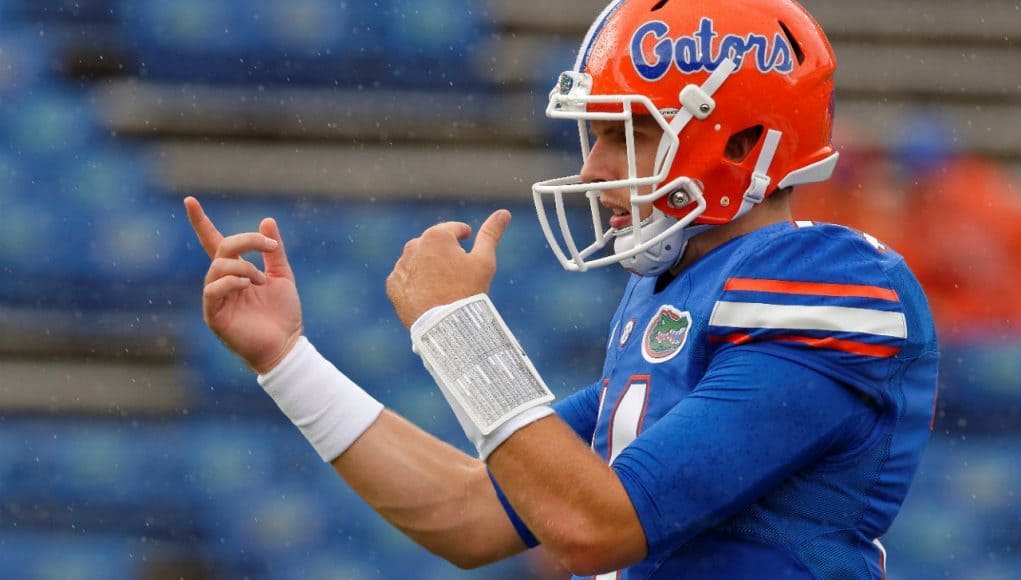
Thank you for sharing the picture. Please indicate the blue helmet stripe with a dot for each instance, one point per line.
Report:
(593, 33)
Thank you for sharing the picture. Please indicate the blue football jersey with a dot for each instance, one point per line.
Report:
(767, 408)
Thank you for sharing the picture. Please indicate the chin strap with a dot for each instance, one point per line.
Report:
(661, 257)
(760, 177)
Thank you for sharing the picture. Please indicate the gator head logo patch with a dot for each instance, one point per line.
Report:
(666, 334)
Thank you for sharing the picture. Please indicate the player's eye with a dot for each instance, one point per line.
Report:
(613, 136)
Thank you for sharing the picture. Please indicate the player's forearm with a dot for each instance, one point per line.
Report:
(432, 492)
(567, 496)
(438, 496)
(571, 500)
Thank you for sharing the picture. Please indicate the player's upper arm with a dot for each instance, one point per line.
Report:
(751, 422)
(581, 410)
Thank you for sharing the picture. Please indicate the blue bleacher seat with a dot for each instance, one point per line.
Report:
(981, 380)
(434, 29)
(295, 28)
(960, 513)
(121, 244)
(234, 41)
(18, 237)
(102, 462)
(221, 380)
(48, 124)
(319, 41)
(332, 564)
(261, 527)
(305, 28)
(36, 248)
(25, 60)
(144, 248)
(102, 178)
(71, 12)
(434, 43)
(228, 459)
(71, 556)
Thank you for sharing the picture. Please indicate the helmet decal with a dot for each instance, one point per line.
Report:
(653, 50)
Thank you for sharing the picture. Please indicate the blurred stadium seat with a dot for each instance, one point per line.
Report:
(305, 41)
(35, 556)
(59, 11)
(25, 60)
(47, 123)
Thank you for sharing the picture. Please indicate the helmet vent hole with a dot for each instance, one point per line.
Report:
(798, 52)
(741, 144)
(659, 5)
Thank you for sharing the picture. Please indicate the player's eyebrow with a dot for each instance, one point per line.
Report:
(606, 129)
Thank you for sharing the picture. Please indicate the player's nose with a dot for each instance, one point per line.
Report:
(602, 164)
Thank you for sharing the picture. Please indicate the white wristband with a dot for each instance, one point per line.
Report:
(481, 369)
(330, 409)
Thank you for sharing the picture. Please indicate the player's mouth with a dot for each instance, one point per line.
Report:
(621, 215)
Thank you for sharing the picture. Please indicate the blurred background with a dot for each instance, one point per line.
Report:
(132, 445)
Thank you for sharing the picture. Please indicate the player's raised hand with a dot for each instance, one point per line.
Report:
(256, 314)
(435, 270)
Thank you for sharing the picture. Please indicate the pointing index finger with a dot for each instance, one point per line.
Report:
(491, 232)
(208, 235)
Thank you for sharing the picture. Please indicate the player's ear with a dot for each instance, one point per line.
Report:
(741, 143)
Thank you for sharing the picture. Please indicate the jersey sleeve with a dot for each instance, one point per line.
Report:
(831, 299)
(752, 421)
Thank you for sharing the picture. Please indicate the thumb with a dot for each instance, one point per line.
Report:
(491, 232)
(276, 260)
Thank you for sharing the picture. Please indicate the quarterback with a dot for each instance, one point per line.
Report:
(768, 386)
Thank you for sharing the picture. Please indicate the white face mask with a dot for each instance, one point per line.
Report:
(648, 247)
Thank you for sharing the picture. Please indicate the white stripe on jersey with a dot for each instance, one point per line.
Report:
(834, 318)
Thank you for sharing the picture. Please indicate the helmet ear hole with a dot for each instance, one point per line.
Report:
(798, 52)
(741, 144)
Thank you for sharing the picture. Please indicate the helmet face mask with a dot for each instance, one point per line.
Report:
(738, 70)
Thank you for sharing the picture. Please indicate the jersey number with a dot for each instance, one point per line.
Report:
(626, 419)
(626, 415)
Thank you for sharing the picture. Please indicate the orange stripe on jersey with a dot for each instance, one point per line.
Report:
(735, 338)
(811, 288)
(848, 346)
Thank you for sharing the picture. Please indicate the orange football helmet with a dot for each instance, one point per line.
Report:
(705, 71)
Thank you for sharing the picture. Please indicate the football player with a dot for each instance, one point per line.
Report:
(768, 386)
